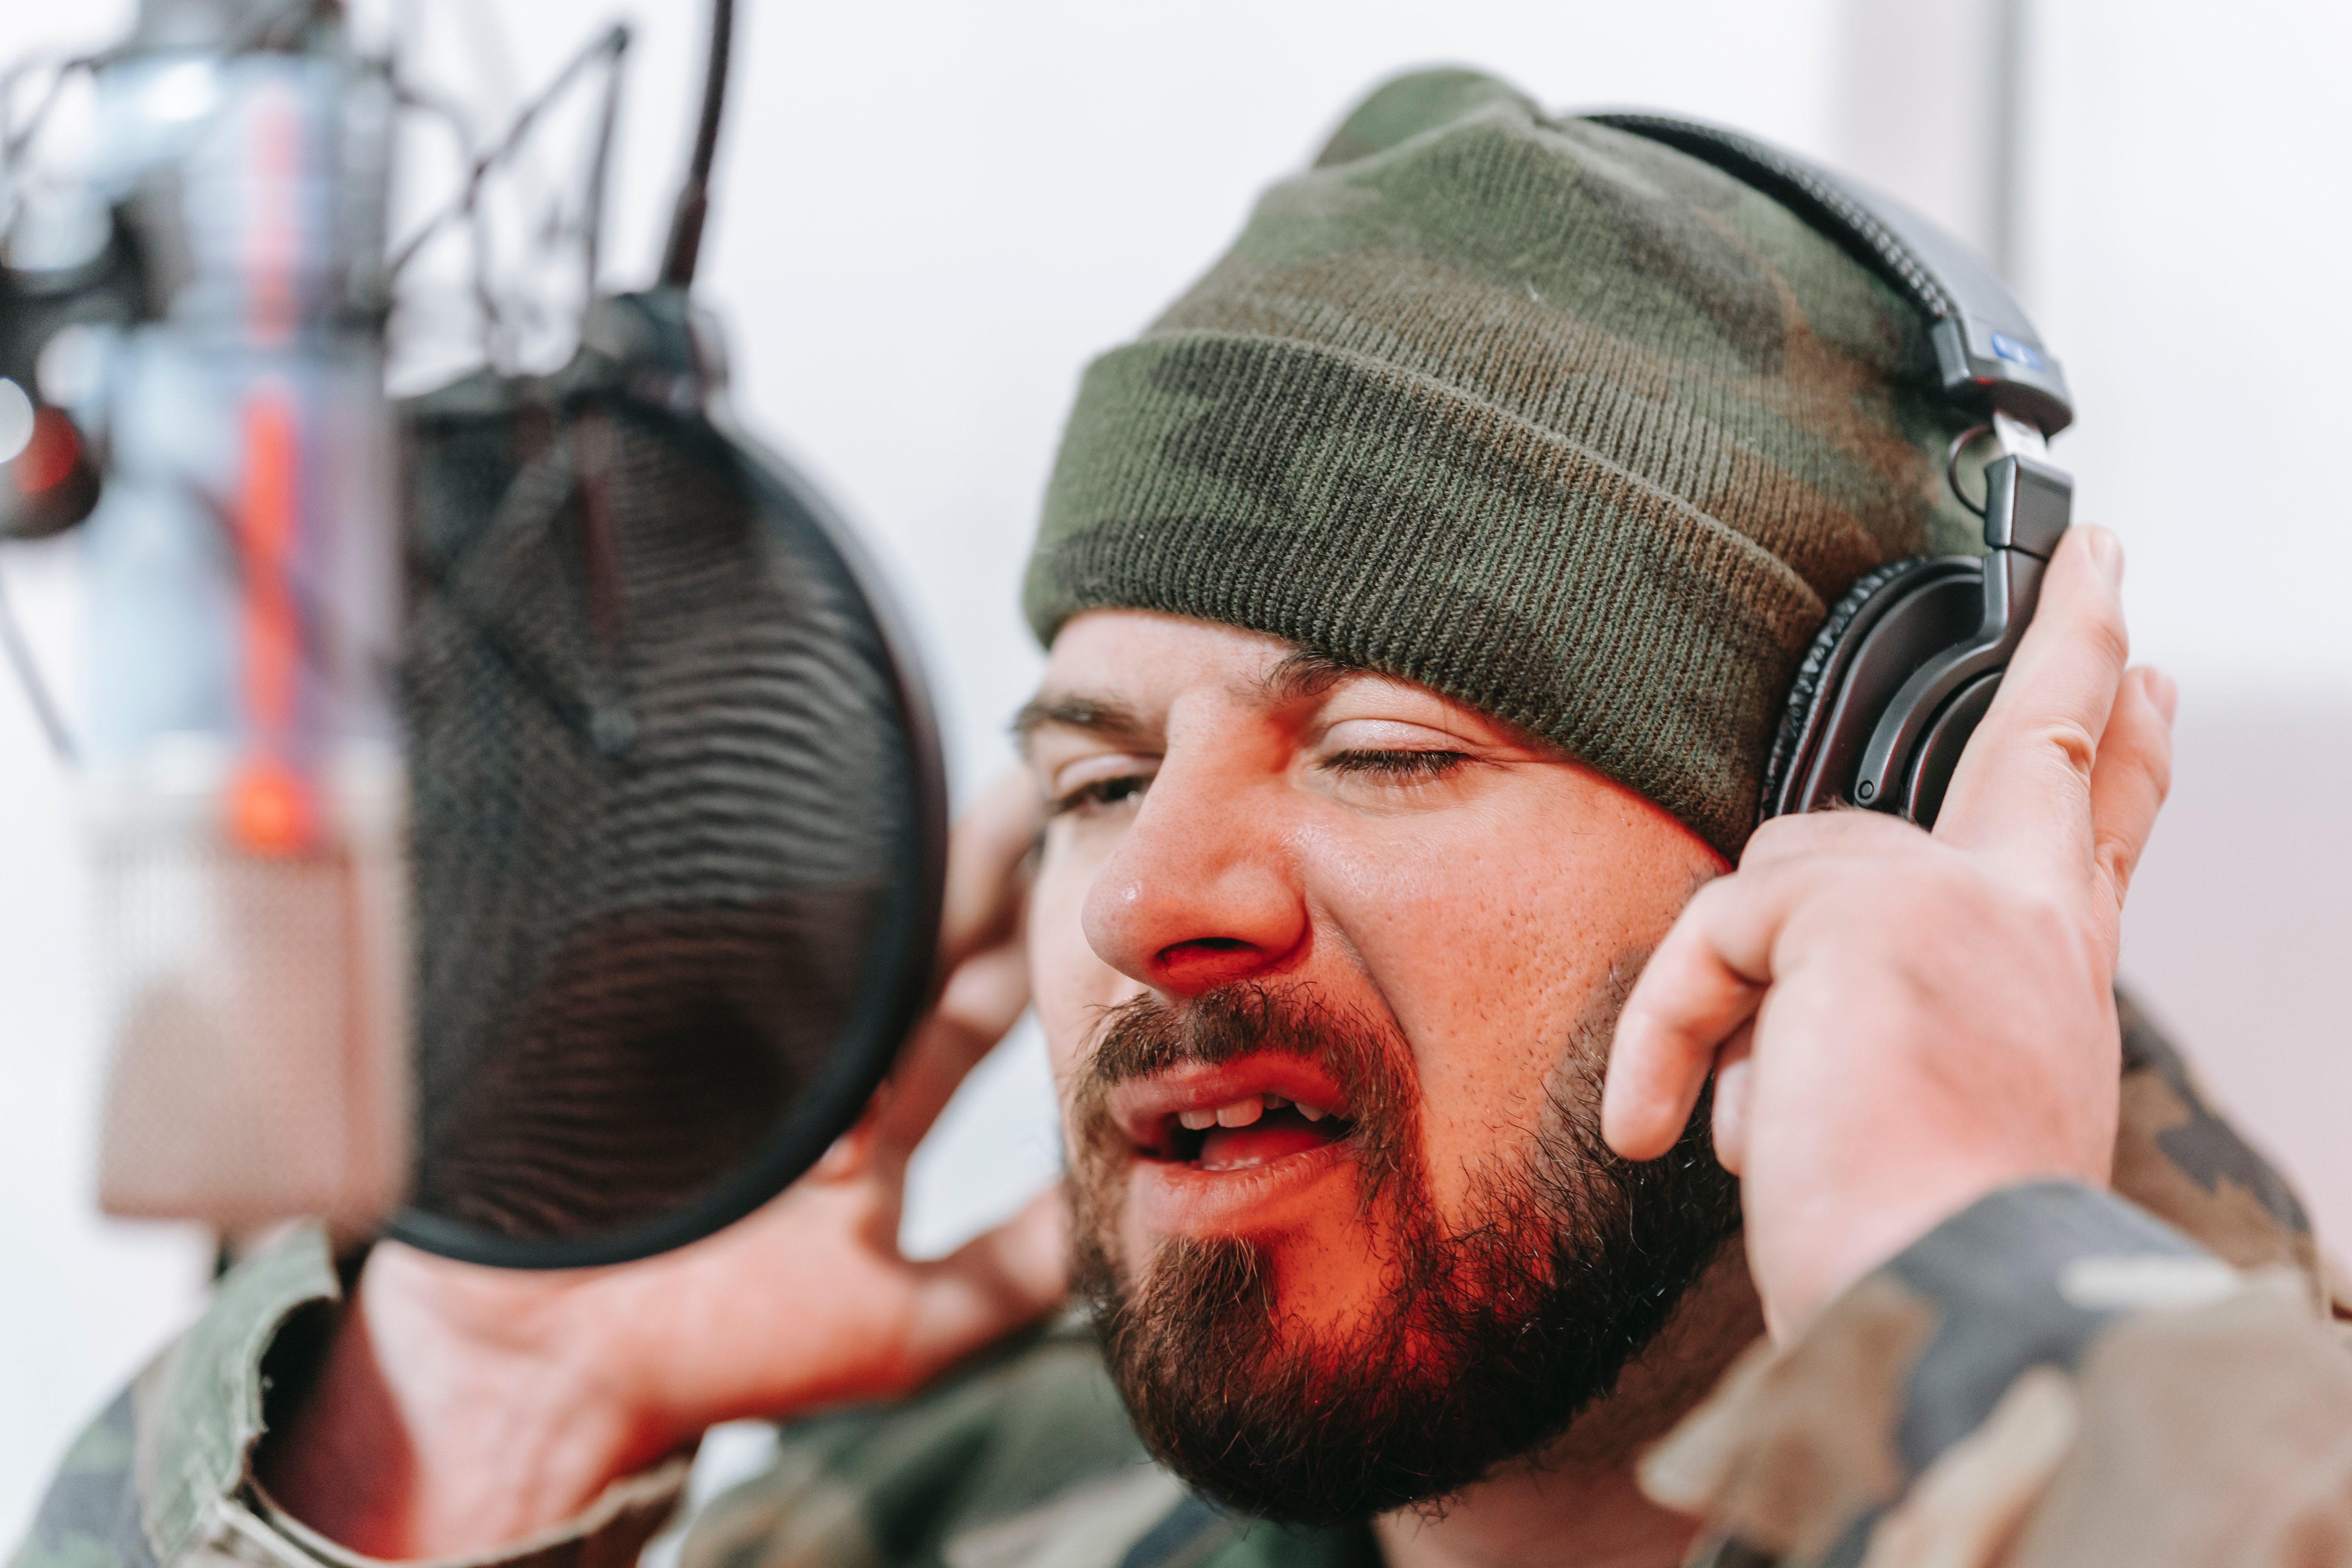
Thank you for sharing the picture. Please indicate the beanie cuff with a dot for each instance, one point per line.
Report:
(1383, 517)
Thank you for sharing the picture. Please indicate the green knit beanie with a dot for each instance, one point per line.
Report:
(1555, 420)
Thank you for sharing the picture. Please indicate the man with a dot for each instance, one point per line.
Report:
(1419, 591)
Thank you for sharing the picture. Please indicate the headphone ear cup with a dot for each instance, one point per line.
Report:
(1805, 687)
(1888, 623)
(1939, 756)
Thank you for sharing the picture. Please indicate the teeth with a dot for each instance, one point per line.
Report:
(1242, 1112)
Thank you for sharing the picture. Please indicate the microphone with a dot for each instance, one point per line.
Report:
(218, 270)
(516, 814)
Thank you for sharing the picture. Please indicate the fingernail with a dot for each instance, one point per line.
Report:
(2108, 552)
(2164, 692)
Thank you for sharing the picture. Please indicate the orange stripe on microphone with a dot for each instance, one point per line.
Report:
(270, 808)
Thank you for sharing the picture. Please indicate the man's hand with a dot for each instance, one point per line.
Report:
(462, 1409)
(1900, 1023)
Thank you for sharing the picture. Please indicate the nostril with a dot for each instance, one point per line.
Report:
(1206, 962)
(1203, 947)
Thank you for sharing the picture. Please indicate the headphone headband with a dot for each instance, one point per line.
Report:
(1990, 356)
(1896, 679)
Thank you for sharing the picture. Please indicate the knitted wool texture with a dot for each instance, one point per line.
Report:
(1559, 421)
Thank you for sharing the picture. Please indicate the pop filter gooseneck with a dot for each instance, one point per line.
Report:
(679, 820)
(684, 249)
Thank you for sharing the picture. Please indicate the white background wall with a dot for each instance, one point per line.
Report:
(931, 215)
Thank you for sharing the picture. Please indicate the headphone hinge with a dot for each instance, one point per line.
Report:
(2028, 503)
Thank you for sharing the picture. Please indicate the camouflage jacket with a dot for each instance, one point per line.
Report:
(2056, 1376)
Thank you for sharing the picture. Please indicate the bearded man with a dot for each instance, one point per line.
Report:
(1466, 1165)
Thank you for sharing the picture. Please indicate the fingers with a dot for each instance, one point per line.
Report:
(989, 1285)
(984, 856)
(2024, 782)
(980, 1003)
(848, 1155)
(1698, 998)
(1702, 983)
(984, 958)
(1839, 829)
(983, 999)
(2131, 778)
(1734, 1072)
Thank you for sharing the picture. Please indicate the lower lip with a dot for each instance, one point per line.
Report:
(1172, 1199)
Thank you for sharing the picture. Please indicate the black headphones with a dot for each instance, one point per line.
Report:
(1907, 662)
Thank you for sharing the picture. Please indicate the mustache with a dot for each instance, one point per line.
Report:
(1148, 1035)
(1365, 1054)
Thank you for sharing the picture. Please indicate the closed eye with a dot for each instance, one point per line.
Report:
(1395, 766)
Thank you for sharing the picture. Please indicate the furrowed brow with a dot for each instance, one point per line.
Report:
(1307, 673)
(1105, 717)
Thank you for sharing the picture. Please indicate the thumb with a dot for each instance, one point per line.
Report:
(989, 1285)
(1704, 983)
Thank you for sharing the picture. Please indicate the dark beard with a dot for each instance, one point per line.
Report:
(1487, 1341)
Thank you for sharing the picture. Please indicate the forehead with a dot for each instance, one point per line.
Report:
(1143, 651)
(1126, 670)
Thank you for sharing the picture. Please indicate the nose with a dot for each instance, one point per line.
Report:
(1202, 889)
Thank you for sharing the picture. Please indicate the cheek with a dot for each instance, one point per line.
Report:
(1494, 936)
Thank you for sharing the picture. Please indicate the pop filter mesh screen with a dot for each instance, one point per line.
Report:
(667, 823)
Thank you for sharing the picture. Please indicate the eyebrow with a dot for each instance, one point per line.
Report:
(1309, 672)
(1104, 716)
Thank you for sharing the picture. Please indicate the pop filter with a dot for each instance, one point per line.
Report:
(678, 819)
(677, 813)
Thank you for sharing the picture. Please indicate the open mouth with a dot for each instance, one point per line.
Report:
(1253, 1130)
(1218, 1122)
